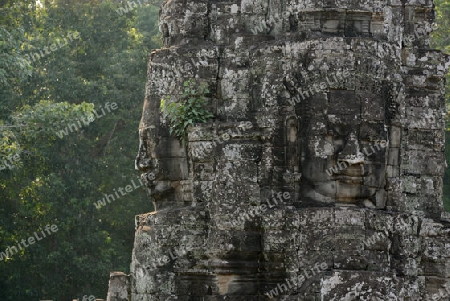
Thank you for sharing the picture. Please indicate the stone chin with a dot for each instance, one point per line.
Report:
(158, 189)
(347, 187)
(161, 189)
(341, 193)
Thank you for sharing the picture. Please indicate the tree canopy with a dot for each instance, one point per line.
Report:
(62, 146)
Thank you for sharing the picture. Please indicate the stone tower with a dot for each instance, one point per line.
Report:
(320, 176)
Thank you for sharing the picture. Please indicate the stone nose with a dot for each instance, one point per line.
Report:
(143, 161)
(146, 161)
(351, 152)
(149, 167)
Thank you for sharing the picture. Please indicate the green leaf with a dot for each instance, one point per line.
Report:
(189, 109)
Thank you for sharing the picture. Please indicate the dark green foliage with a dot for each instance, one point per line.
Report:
(188, 110)
(14, 68)
(58, 179)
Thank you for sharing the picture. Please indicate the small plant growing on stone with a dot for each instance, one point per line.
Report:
(190, 109)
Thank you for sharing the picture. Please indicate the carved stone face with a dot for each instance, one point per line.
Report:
(343, 148)
(161, 158)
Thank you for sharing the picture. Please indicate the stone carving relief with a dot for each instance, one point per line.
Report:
(327, 109)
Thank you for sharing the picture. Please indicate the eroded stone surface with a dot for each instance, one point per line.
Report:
(327, 148)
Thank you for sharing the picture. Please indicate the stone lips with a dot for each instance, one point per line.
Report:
(394, 251)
